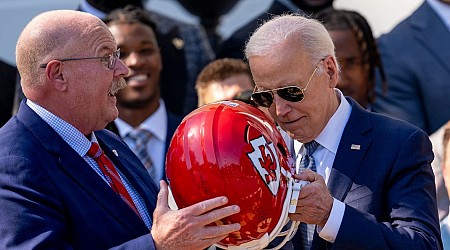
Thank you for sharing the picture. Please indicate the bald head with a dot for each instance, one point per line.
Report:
(50, 35)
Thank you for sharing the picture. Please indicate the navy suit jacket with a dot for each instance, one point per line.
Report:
(50, 198)
(387, 185)
(416, 56)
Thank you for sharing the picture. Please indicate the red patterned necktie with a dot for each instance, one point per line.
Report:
(111, 175)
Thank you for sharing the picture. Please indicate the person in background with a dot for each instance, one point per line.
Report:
(357, 54)
(66, 183)
(185, 50)
(224, 79)
(9, 95)
(144, 123)
(415, 55)
(233, 47)
(443, 200)
(445, 223)
(370, 183)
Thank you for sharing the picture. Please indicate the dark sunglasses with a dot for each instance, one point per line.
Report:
(289, 93)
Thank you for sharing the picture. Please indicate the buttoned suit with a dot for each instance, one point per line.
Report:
(51, 198)
(382, 173)
(415, 55)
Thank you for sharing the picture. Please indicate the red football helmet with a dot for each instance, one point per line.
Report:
(233, 149)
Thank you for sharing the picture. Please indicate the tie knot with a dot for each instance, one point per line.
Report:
(94, 151)
(311, 147)
(140, 135)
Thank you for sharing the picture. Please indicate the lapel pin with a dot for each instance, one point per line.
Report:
(178, 43)
(115, 152)
(355, 147)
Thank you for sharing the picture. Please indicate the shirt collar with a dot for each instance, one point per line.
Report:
(442, 10)
(68, 133)
(156, 123)
(331, 135)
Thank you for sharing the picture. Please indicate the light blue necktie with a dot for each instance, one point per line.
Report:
(307, 162)
(141, 138)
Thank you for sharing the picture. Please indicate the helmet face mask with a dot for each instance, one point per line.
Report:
(233, 149)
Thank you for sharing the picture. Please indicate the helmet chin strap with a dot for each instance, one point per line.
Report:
(289, 206)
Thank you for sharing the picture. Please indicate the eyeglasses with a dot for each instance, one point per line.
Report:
(111, 59)
(289, 93)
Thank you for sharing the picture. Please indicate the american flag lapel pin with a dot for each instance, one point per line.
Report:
(178, 43)
(355, 147)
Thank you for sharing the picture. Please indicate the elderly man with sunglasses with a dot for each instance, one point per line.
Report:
(371, 185)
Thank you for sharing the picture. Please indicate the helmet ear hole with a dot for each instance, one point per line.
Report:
(282, 149)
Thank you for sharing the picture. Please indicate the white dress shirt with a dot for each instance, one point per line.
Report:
(324, 156)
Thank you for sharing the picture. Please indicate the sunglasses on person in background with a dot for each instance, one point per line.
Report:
(111, 59)
(289, 93)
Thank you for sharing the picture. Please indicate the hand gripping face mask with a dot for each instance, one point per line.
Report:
(233, 149)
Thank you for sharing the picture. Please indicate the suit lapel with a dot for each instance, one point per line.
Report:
(79, 170)
(93, 184)
(355, 141)
(427, 26)
(353, 146)
(135, 173)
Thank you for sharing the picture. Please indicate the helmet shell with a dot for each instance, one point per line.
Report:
(231, 149)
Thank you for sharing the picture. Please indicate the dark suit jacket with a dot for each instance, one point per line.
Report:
(185, 50)
(174, 74)
(172, 123)
(233, 47)
(416, 56)
(387, 186)
(8, 81)
(50, 198)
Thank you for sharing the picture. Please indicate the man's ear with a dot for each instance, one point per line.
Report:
(331, 68)
(54, 72)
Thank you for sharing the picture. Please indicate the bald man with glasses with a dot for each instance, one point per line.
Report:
(370, 183)
(66, 183)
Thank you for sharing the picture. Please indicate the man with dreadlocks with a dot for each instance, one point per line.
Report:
(357, 54)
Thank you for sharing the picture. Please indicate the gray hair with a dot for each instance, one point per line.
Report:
(311, 35)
